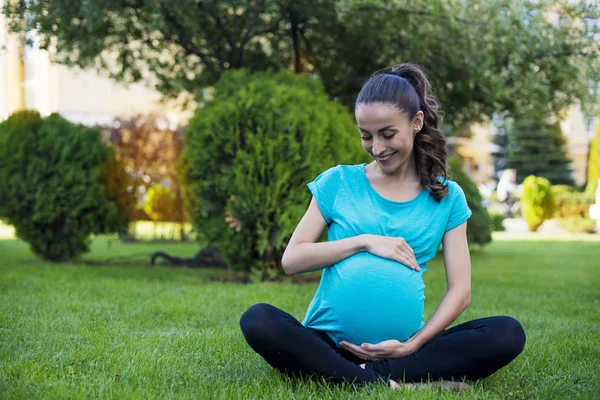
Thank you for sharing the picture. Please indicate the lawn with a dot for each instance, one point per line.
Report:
(125, 330)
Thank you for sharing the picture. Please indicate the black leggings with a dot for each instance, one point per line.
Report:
(468, 351)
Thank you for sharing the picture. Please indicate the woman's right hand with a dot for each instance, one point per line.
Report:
(393, 248)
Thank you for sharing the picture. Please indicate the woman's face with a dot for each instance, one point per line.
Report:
(387, 134)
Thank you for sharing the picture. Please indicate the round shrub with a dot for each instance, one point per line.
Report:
(479, 226)
(537, 201)
(250, 152)
(160, 203)
(51, 179)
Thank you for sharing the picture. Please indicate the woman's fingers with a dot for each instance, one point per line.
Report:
(411, 253)
(358, 351)
(407, 260)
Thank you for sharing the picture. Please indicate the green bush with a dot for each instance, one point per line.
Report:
(51, 180)
(577, 224)
(250, 152)
(571, 203)
(593, 172)
(160, 203)
(497, 219)
(119, 187)
(537, 201)
(479, 226)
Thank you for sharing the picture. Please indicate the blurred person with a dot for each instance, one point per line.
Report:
(507, 191)
(385, 221)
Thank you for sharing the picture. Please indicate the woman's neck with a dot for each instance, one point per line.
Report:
(405, 174)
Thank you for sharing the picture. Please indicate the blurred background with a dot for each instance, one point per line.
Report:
(216, 114)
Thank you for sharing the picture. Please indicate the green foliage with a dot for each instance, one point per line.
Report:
(160, 203)
(119, 187)
(52, 178)
(250, 153)
(577, 224)
(536, 147)
(593, 172)
(573, 209)
(497, 219)
(498, 56)
(537, 201)
(570, 203)
(479, 226)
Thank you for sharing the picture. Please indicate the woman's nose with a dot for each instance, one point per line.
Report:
(378, 148)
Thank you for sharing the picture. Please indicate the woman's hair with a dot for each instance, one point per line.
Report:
(407, 88)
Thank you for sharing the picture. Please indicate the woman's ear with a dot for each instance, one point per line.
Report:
(418, 121)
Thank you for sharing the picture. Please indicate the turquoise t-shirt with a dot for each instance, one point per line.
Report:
(365, 298)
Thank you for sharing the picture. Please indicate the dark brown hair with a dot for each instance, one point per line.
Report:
(406, 87)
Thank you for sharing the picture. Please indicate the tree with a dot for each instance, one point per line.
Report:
(594, 162)
(536, 147)
(482, 57)
(150, 153)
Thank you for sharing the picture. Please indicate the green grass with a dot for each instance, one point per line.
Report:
(132, 331)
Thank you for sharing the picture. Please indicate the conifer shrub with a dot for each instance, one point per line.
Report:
(53, 180)
(250, 152)
(479, 226)
(537, 201)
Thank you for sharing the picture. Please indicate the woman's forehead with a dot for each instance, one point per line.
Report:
(378, 113)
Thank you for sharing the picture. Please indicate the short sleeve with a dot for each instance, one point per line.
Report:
(460, 211)
(323, 189)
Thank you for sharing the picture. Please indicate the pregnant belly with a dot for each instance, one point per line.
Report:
(368, 299)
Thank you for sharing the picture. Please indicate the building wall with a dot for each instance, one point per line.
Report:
(575, 130)
(11, 71)
(28, 80)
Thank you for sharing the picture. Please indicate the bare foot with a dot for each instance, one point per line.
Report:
(393, 384)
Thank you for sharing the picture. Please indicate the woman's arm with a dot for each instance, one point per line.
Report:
(457, 262)
(303, 254)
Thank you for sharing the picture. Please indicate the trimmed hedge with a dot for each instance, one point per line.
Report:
(250, 152)
(53, 179)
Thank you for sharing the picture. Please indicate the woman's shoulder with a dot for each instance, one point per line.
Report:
(342, 170)
(454, 189)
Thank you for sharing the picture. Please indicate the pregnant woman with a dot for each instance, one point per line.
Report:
(385, 221)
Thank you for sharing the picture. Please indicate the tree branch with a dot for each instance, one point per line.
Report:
(251, 24)
(186, 43)
(222, 28)
(561, 54)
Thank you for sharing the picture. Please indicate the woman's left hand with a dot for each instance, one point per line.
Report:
(380, 351)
